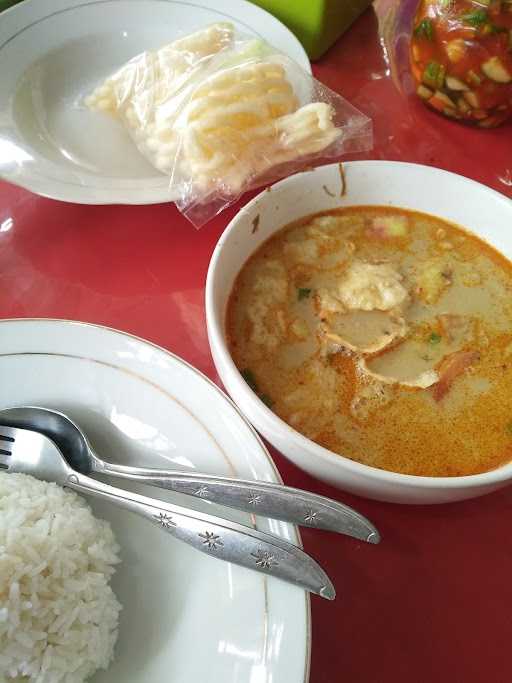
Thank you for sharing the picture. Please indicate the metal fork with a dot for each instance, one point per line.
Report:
(259, 497)
(27, 452)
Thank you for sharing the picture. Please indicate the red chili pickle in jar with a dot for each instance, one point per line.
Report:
(461, 59)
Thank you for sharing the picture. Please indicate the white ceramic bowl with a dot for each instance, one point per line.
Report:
(465, 202)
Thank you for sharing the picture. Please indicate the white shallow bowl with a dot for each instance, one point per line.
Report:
(483, 211)
(55, 52)
(187, 618)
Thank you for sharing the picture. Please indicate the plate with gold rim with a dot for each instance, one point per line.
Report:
(186, 617)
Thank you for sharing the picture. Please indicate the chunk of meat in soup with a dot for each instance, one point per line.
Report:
(363, 312)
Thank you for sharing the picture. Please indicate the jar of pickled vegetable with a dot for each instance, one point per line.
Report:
(461, 58)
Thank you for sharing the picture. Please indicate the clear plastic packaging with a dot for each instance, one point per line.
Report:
(222, 114)
(459, 57)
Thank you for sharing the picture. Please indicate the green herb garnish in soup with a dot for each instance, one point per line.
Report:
(248, 375)
(303, 293)
(398, 352)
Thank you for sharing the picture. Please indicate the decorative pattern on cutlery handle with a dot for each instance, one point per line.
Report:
(224, 543)
(218, 537)
(260, 498)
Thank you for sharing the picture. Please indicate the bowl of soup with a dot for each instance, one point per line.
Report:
(360, 316)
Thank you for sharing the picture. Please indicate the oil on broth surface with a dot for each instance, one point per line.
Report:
(383, 335)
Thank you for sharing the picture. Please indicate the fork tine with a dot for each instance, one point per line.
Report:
(6, 445)
(26, 451)
(7, 433)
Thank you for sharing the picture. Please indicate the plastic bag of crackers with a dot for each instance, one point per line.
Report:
(221, 114)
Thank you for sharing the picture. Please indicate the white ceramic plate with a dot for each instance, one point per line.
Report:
(187, 618)
(54, 52)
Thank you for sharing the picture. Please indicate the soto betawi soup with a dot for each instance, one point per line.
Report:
(383, 335)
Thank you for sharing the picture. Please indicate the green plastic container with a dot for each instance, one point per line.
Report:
(4, 4)
(316, 23)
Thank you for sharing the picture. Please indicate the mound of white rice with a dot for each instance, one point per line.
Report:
(58, 614)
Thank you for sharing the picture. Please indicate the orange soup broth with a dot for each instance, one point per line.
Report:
(467, 432)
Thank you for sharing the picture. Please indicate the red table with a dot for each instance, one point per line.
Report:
(432, 602)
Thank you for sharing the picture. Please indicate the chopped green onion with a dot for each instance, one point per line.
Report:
(267, 400)
(250, 379)
(492, 30)
(509, 428)
(475, 18)
(434, 338)
(498, 29)
(434, 74)
(303, 293)
(424, 29)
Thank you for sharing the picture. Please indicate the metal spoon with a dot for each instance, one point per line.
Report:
(26, 451)
(261, 498)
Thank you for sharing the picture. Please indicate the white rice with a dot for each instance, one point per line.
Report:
(58, 614)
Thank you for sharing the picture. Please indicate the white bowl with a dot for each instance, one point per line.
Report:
(465, 202)
(55, 52)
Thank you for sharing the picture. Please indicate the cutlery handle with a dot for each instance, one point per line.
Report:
(218, 537)
(258, 497)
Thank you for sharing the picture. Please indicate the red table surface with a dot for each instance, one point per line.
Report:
(433, 601)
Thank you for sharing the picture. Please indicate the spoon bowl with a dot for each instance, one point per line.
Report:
(66, 434)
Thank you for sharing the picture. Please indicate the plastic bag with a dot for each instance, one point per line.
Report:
(407, 129)
(454, 57)
(461, 61)
(222, 114)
